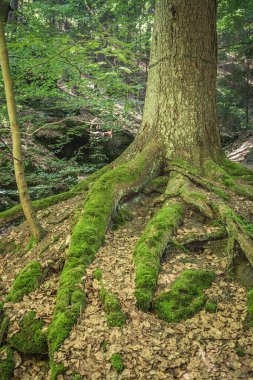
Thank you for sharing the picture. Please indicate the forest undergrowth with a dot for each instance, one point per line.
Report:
(137, 282)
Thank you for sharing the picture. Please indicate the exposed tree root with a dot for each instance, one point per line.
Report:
(149, 249)
(87, 237)
(202, 235)
(236, 232)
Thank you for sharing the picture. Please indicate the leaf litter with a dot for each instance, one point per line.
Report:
(202, 347)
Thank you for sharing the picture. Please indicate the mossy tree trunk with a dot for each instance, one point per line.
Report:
(180, 105)
(25, 200)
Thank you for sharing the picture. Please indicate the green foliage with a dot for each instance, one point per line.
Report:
(117, 362)
(30, 340)
(149, 250)
(186, 296)
(114, 315)
(26, 282)
(7, 364)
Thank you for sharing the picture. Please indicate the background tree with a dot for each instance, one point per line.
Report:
(36, 230)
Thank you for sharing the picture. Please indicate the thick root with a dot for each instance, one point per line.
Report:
(202, 235)
(216, 172)
(234, 232)
(87, 237)
(149, 250)
(179, 185)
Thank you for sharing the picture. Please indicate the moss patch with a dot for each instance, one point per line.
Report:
(186, 296)
(30, 339)
(114, 314)
(211, 307)
(149, 250)
(7, 364)
(97, 274)
(235, 169)
(26, 282)
(157, 185)
(117, 363)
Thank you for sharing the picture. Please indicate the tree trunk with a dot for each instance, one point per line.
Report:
(180, 105)
(24, 196)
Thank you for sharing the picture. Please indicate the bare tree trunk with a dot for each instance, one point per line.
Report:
(25, 200)
(180, 104)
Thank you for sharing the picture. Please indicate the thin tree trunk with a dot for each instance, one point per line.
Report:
(25, 200)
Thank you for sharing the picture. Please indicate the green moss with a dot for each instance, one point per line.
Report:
(114, 315)
(235, 169)
(26, 282)
(123, 216)
(211, 307)
(98, 274)
(7, 364)
(220, 175)
(240, 351)
(149, 250)
(117, 363)
(87, 237)
(157, 185)
(186, 296)
(30, 339)
(31, 243)
(250, 307)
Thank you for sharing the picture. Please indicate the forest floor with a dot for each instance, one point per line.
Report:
(207, 346)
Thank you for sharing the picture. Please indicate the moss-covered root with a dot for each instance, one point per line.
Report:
(186, 296)
(26, 282)
(197, 178)
(202, 235)
(237, 231)
(238, 171)
(180, 185)
(7, 364)
(30, 340)
(87, 237)
(217, 173)
(149, 250)
(117, 363)
(114, 315)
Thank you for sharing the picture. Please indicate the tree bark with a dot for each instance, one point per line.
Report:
(25, 200)
(180, 104)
